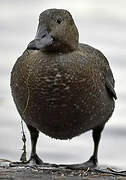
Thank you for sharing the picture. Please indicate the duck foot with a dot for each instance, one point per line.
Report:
(84, 166)
(34, 160)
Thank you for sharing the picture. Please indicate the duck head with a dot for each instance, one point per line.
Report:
(56, 32)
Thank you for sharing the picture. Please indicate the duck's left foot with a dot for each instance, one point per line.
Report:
(84, 166)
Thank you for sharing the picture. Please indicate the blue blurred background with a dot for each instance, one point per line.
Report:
(101, 24)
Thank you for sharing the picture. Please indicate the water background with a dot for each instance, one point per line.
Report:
(101, 24)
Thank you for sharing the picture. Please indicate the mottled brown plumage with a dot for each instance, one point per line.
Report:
(60, 87)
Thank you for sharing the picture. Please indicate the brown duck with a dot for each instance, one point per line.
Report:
(61, 87)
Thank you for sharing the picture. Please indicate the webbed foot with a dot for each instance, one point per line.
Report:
(34, 160)
(90, 164)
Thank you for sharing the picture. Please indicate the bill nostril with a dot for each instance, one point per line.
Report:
(46, 35)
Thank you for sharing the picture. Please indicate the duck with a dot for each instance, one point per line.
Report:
(61, 87)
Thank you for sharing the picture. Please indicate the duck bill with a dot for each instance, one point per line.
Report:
(42, 39)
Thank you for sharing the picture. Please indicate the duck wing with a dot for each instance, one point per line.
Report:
(110, 83)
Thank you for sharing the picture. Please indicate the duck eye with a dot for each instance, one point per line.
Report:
(59, 21)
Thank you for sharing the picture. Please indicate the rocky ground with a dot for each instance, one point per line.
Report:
(25, 172)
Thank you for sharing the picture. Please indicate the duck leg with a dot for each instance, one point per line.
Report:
(96, 138)
(34, 158)
(92, 162)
